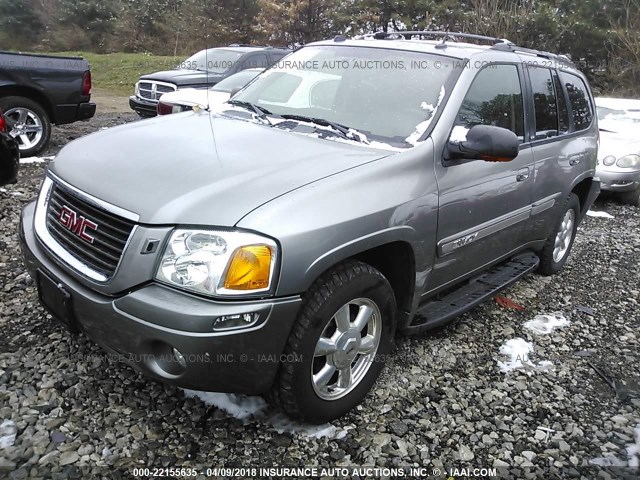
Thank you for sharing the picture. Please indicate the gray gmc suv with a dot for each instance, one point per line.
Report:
(360, 189)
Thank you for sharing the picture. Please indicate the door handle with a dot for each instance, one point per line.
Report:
(522, 175)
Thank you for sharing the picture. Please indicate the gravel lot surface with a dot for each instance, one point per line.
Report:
(443, 403)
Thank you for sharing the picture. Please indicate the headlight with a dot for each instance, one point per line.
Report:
(218, 263)
(629, 161)
(609, 160)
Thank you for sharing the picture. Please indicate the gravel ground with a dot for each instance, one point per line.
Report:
(443, 403)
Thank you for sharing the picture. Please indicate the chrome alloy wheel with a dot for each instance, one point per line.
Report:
(564, 236)
(346, 349)
(25, 126)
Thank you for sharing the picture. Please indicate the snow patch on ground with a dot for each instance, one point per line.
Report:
(241, 407)
(35, 160)
(610, 461)
(248, 408)
(8, 432)
(518, 351)
(633, 450)
(591, 213)
(546, 324)
(15, 194)
(633, 456)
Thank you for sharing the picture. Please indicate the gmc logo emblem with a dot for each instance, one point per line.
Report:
(76, 224)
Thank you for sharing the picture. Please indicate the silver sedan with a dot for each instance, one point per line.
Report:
(619, 154)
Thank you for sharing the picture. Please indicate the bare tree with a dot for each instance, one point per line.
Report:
(625, 30)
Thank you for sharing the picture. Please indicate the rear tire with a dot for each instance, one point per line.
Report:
(632, 197)
(558, 246)
(28, 123)
(338, 345)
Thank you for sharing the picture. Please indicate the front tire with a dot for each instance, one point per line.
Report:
(337, 347)
(632, 197)
(28, 123)
(558, 246)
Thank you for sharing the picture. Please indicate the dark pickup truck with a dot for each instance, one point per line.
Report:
(201, 70)
(37, 91)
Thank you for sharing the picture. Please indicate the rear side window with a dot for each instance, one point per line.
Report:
(581, 108)
(563, 111)
(255, 61)
(544, 103)
(276, 56)
(494, 98)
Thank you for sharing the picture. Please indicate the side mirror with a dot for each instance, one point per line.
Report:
(485, 142)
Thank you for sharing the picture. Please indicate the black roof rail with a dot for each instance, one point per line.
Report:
(407, 34)
(511, 47)
(501, 44)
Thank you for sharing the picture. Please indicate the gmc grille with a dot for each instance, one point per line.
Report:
(151, 90)
(109, 238)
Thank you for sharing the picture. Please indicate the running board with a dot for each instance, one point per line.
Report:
(438, 312)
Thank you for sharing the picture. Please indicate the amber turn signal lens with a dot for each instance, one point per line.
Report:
(249, 269)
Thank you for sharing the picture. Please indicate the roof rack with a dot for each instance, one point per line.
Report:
(432, 33)
(501, 44)
(511, 47)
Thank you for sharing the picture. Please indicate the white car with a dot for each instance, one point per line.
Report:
(186, 99)
(619, 154)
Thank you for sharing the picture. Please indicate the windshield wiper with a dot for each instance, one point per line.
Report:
(260, 112)
(346, 132)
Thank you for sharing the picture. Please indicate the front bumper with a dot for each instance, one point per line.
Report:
(143, 107)
(618, 181)
(142, 326)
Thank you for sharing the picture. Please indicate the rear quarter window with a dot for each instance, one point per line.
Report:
(579, 100)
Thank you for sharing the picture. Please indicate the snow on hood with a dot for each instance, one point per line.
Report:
(192, 97)
(356, 137)
(618, 143)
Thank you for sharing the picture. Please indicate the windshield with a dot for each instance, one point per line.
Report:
(235, 81)
(389, 96)
(214, 60)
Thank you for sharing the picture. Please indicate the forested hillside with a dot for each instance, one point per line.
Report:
(602, 36)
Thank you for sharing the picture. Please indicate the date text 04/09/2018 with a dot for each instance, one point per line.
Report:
(339, 472)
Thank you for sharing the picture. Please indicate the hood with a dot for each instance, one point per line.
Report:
(185, 77)
(617, 144)
(193, 96)
(200, 168)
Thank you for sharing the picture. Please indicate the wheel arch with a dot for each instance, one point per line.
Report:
(389, 252)
(581, 189)
(31, 93)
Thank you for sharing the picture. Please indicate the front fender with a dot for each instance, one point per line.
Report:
(393, 199)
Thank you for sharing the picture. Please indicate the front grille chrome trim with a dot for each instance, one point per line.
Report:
(148, 89)
(60, 252)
